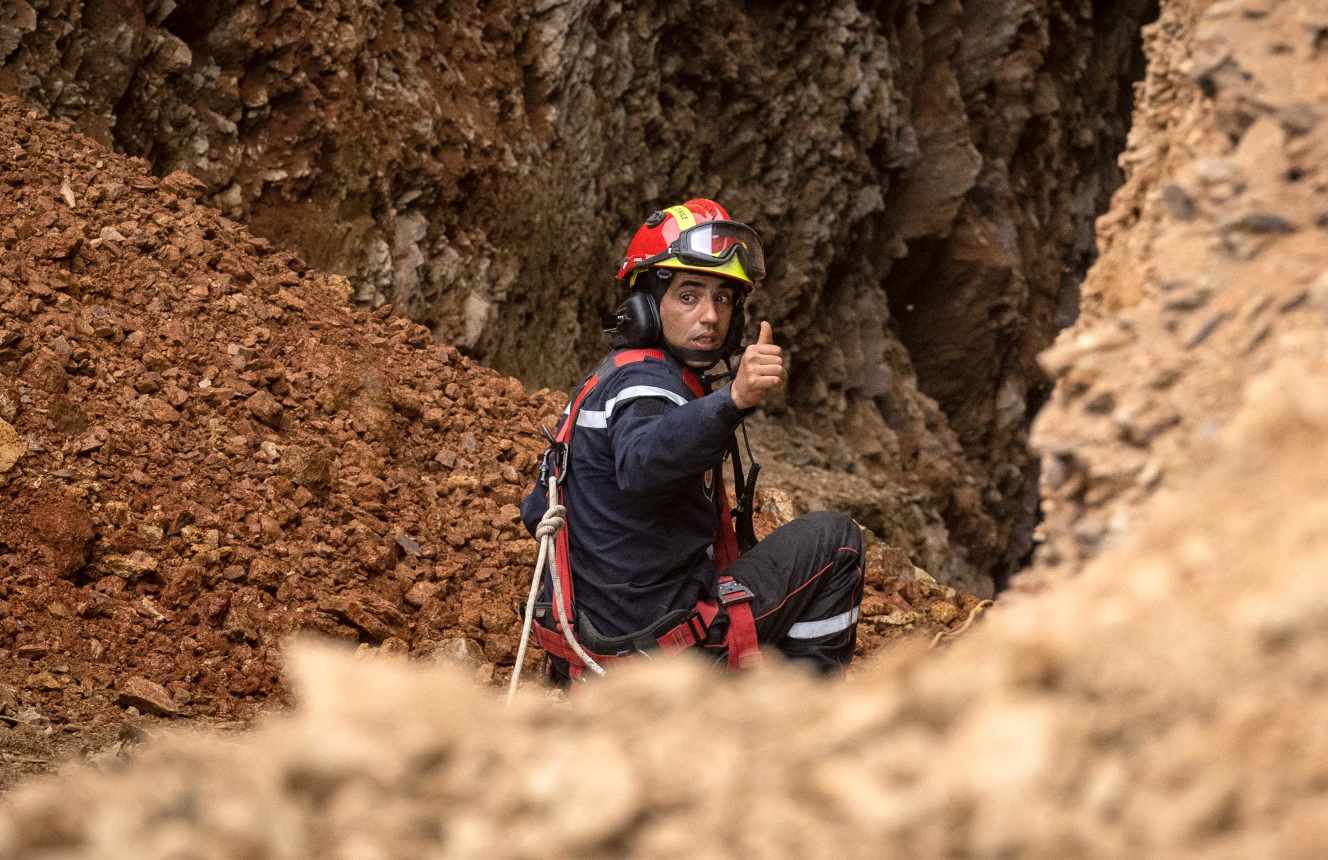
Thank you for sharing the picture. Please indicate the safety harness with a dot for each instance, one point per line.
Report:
(694, 625)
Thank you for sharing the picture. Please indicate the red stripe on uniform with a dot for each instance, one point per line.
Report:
(788, 596)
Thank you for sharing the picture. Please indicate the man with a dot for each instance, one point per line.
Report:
(647, 524)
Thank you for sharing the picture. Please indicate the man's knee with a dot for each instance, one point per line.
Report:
(836, 528)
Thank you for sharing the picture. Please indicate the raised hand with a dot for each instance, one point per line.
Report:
(761, 369)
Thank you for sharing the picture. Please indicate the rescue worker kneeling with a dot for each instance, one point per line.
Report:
(649, 540)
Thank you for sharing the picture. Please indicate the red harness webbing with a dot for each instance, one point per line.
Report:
(736, 598)
(740, 640)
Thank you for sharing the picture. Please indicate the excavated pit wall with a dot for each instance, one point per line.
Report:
(1169, 701)
(927, 175)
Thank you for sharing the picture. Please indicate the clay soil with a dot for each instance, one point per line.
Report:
(206, 449)
(1157, 689)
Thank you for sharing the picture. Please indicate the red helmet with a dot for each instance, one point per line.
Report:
(697, 236)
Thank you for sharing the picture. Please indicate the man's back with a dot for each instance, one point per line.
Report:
(640, 493)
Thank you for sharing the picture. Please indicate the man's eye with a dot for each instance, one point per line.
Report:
(687, 298)
(723, 299)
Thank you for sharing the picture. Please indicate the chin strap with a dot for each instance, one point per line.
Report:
(697, 359)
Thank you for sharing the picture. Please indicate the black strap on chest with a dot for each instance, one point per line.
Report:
(744, 496)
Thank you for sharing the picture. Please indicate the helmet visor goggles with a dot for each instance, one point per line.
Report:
(715, 243)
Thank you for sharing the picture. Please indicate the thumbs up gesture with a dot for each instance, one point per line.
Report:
(762, 369)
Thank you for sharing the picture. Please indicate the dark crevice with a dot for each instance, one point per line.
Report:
(969, 327)
(1068, 297)
(191, 23)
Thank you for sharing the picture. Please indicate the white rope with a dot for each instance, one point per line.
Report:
(547, 530)
(561, 611)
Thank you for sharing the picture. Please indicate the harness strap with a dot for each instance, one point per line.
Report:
(726, 541)
(740, 640)
(744, 650)
(745, 491)
(562, 543)
(680, 637)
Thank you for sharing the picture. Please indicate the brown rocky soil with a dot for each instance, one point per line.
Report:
(1166, 701)
(216, 450)
(204, 448)
(926, 173)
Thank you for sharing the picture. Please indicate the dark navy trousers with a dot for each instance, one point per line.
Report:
(807, 578)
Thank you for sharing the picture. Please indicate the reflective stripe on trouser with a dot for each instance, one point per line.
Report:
(824, 627)
(807, 577)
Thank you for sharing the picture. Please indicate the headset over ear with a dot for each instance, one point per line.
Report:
(637, 324)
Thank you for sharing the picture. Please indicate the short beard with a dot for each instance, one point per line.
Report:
(697, 359)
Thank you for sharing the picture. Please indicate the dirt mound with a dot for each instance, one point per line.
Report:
(1214, 264)
(204, 448)
(214, 449)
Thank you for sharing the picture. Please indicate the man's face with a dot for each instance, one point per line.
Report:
(696, 311)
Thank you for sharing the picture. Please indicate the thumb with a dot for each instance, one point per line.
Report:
(767, 334)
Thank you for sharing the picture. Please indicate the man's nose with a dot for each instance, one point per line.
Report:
(709, 313)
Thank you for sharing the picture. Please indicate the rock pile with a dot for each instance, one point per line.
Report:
(204, 448)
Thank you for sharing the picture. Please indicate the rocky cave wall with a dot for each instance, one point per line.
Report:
(927, 175)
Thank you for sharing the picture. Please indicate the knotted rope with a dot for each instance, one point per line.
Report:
(546, 532)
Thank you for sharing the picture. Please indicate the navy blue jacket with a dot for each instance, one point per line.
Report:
(640, 495)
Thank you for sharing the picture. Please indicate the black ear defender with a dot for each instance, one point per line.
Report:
(637, 324)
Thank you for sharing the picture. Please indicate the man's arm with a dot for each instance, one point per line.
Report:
(534, 505)
(657, 442)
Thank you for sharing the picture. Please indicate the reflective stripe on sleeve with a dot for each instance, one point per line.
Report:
(599, 419)
(636, 391)
(826, 626)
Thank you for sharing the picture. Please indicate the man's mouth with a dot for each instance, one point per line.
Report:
(706, 341)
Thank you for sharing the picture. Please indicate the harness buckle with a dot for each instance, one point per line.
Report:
(553, 461)
(696, 624)
(732, 592)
